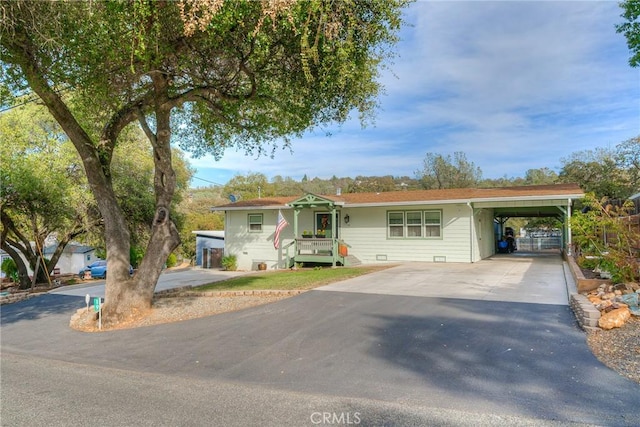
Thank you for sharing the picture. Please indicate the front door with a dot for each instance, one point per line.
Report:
(323, 221)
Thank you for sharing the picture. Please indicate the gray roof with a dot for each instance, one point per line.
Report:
(71, 248)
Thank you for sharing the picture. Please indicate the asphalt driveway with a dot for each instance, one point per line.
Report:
(334, 351)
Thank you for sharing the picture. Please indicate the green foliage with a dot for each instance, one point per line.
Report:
(136, 253)
(604, 232)
(250, 186)
(443, 172)
(10, 269)
(229, 262)
(195, 210)
(172, 260)
(101, 253)
(590, 263)
(631, 29)
(613, 173)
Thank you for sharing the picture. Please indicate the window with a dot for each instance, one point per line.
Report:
(255, 222)
(432, 223)
(396, 224)
(414, 224)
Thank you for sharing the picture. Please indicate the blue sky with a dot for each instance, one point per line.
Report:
(514, 85)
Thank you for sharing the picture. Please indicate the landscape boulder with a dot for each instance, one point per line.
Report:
(614, 318)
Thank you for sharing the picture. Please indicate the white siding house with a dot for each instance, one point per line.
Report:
(454, 225)
(74, 257)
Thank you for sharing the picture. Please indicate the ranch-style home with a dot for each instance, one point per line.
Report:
(451, 225)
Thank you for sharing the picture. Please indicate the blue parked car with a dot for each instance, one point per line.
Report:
(99, 270)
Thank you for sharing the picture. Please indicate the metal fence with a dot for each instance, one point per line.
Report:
(533, 244)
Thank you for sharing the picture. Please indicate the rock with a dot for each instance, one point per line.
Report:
(595, 300)
(604, 305)
(614, 318)
(609, 295)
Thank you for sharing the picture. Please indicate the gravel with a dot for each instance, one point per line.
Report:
(619, 348)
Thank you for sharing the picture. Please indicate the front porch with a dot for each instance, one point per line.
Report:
(316, 250)
(325, 247)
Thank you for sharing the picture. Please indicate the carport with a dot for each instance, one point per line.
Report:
(539, 207)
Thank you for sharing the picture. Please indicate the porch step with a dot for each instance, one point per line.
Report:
(352, 261)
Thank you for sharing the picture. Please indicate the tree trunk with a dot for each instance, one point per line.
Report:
(129, 299)
(23, 273)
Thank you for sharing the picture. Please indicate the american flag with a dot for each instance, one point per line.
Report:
(282, 223)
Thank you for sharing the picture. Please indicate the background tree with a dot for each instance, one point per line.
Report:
(249, 186)
(286, 186)
(540, 176)
(444, 172)
(628, 159)
(43, 195)
(196, 211)
(240, 74)
(631, 29)
(608, 173)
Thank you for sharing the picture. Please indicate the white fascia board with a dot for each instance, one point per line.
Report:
(550, 197)
(465, 201)
(248, 208)
(409, 203)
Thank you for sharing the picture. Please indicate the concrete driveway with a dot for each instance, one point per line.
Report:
(388, 359)
(538, 278)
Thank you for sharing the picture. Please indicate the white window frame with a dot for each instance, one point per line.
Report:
(395, 226)
(414, 225)
(405, 227)
(432, 225)
(255, 222)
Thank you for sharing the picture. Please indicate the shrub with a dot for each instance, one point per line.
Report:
(603, 231)
(136, 254)
(230, 262)
(10, 269)
(172, 260)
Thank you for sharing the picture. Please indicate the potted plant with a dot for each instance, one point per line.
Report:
(320, 233)
(307, 234)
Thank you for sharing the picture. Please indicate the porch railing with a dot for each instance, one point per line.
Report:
(317, 250)
(314, 246)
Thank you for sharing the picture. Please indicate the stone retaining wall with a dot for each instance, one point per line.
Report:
(586, 313)
(15, 297)
(186, 291)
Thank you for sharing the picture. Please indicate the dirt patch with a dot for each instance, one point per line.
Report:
(175, 309)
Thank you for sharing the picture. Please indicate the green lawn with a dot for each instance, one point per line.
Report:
(289, 279)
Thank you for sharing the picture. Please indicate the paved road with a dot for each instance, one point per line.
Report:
(170, 279)
(383, 359)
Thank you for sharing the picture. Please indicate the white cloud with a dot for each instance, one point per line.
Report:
(514, 85)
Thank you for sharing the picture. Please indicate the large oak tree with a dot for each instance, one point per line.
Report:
(208, 74)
